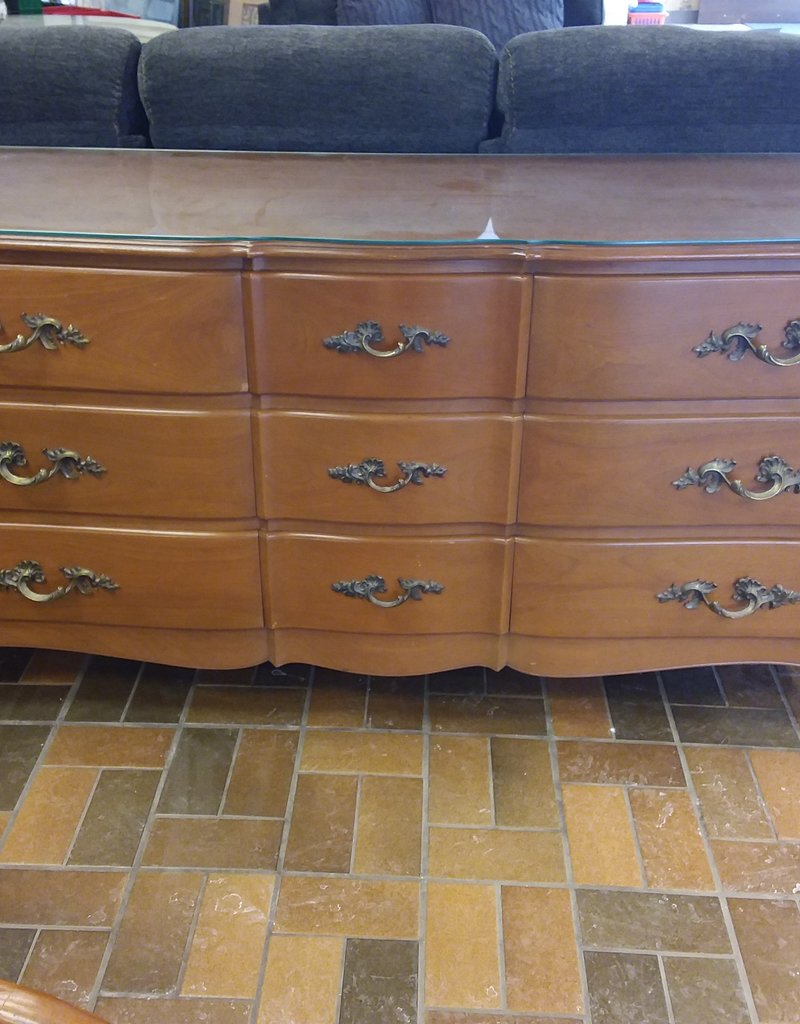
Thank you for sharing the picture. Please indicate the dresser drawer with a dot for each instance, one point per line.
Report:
(187, 464)
(146, 331)
(323, 467)
(622, 472)
(176, 580)
(566, 588)
(302, 569)
(632, 337)
(485, 318)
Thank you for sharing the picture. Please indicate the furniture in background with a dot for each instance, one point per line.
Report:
(359, 411)
(19, 1005)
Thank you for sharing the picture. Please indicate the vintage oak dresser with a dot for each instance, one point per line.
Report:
(401, 414)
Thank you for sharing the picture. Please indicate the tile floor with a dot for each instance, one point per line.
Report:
(298, 847)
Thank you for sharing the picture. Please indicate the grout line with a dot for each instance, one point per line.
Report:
(134, 688)
(785, 700)
(82, 818)
(501, 944)
(231, 767)
(279, 872)
(637, 848)
(562, 818)
(762, 801)
(354, 837)
(725, 909)
(424, 839)
(28, 956)
(665, 987)
(190, 935)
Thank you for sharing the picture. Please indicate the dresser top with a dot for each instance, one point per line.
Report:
(249, 197)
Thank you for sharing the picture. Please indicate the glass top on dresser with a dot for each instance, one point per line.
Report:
(250, 197)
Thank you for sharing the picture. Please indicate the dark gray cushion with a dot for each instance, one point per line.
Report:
(383, 12)
(391, 89)
(70, 86)
(609, 89)
(500, 20)
(301, 12)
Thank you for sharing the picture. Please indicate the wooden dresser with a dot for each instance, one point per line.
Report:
(401, 414)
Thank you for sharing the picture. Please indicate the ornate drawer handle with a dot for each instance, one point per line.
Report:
(49, 332)
(753, 593)
(369, 470)
(372, 585)
(84, 581)
(736, 341)
(69, 464)
(772, 469)
(369, 333)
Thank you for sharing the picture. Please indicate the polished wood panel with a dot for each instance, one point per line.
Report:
(188, 463)
(484, 315)
(631, 337)
(19, 1005)
(154, 332)
(301, 568)
(166, 579)
(609, 471)
(480, 453)
(594, 589)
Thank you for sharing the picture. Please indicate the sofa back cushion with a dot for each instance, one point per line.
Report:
(395, 89)
(500, 20)
(383, 12)
(70, 86)
(609, 89)
(583, 12)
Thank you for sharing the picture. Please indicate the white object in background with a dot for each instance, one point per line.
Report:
(3, 10)
(615, 12)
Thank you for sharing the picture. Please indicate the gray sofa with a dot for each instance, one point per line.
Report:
(413, 88)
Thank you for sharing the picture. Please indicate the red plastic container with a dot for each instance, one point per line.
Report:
(648, 18)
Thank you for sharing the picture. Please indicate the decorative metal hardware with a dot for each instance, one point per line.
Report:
(69, 464)
(736, 341)
(772, 469)
(84, 581)
(372, 585)
(754, 594)
(49, 332)
(368, 334)
(370, 470)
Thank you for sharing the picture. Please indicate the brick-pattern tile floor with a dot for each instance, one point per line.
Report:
(300, 846)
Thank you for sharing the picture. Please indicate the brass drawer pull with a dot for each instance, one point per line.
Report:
(369, 470)
(84, 581)
(49, 332)
(69, 464)
(368, 333)
(754, 594)
(736, 341)
(372, 585)
(772, 469)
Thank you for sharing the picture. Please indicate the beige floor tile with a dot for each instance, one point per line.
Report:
(578, 707)
(389, 826)
(366, 909)
(522, 779)
(111, 746)
(488, 715)
(323, 819)
(33, 896)
(173, 1011)
(541, 952)
(338, 700)
(669, 839)
(769, 868)
(228, 942)
(65, 964)
(462, 966)
(301, 982)
(778, 774)
(372, 753)
(601, 843)
(728, 796)
(56, 668)
(49, 816)
(262, 773)
(223, 843)
(460, 791)
(496, 854)
(263, 705)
